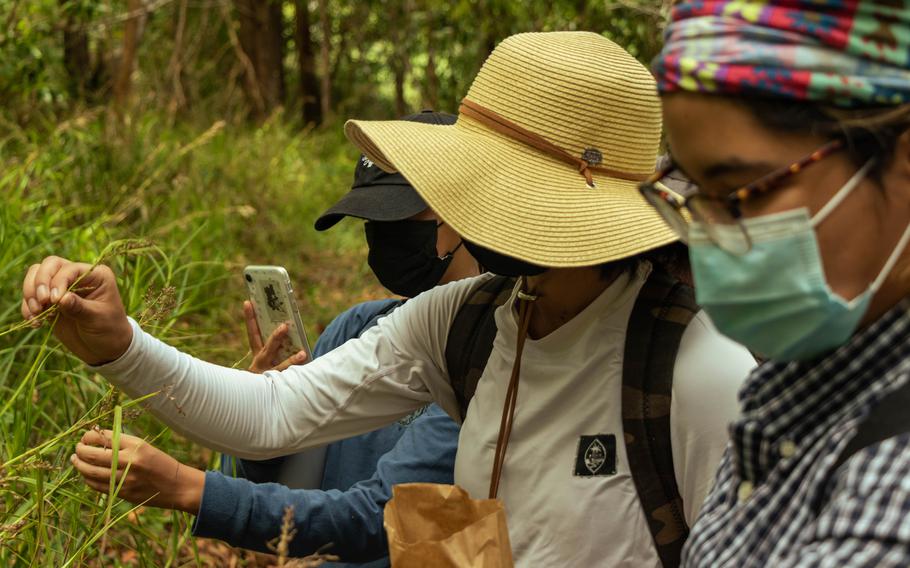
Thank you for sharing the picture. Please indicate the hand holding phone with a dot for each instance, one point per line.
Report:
(273, 306)
(267, 355)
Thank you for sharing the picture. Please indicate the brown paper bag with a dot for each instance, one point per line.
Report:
(441, 526)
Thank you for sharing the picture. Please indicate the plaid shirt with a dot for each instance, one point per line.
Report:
(778, 500)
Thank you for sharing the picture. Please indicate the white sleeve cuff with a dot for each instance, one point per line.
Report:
(126, 360)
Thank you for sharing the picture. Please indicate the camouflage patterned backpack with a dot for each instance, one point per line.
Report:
(662, 311)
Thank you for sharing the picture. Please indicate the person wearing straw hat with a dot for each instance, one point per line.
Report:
(410, 251)
(794, 119)
(539, 176)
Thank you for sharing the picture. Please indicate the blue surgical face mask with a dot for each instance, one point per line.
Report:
(775, 299)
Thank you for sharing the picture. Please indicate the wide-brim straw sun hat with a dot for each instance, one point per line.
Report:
(543, 164)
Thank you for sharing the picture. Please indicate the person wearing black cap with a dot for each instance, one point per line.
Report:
(410, 251)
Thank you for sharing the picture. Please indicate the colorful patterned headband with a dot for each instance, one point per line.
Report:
(850, 53)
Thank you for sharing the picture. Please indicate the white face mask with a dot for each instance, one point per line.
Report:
(774, 299)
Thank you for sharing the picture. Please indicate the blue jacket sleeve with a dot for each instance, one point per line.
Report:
(249, 515)
(346, 325)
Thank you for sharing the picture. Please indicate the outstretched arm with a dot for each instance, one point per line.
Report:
(248, 514)
(358, 388)
(392, 370)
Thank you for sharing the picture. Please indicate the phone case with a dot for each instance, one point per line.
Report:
(273, 301)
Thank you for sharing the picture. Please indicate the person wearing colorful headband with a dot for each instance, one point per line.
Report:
(793, 120)
(593, 392)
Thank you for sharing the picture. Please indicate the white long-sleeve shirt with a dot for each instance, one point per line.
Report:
(560, 511)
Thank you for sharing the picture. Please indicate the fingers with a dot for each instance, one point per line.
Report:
(54, 276)
(252, 327)
(91, 279)
(99, 477)
(63, 278)
(27, 315)
(98, 474)
(30, 305)
(128, 442)
(97, 456)
(298, 358)
(104, 439)
(46, 283)
(41, 291)
(268, 356)
(276, 341)
(98, 437)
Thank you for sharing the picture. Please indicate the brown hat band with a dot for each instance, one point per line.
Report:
(586, 164)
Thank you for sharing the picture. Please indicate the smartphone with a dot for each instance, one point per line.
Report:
(273, 302)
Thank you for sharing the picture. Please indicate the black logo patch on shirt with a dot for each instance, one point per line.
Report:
(596, 456)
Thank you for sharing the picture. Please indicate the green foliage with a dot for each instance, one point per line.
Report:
(25, 47)
(198, 71)
(368, 36)
(32, 78)
(177, 211)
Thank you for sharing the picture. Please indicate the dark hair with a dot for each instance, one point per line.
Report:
(672, 259)
(868, 132)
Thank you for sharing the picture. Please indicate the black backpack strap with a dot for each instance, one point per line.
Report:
(662, 311)
(887, 419)
(471, 336)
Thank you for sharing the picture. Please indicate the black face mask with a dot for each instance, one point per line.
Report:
(501, 264)
(403, 255)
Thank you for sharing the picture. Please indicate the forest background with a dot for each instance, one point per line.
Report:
(179, 140)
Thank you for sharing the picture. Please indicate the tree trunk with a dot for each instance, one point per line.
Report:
(306, 58)
(325, 87)
(76, 59)
(274, 49)
(398, 58)
(178, 97)
(261, 37)
(431, 94)
(124, 74)
(248, 73)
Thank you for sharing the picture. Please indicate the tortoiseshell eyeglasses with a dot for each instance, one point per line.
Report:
(721, 216)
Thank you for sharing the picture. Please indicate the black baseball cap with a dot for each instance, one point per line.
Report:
(377, 195)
